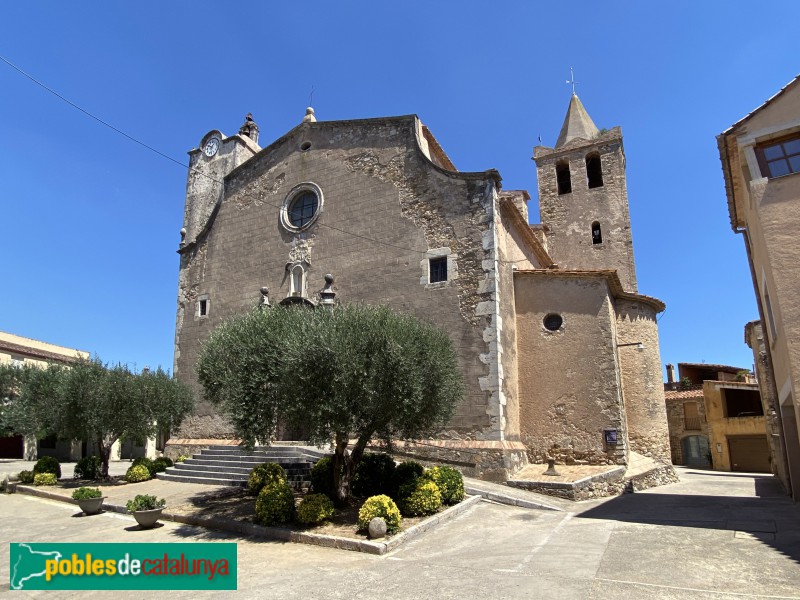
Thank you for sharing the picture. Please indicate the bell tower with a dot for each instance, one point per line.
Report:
(583, 197)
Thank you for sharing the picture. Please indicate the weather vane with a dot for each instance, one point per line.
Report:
(571, 80)
(311, 97)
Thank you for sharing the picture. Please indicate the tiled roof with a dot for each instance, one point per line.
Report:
(682, 394)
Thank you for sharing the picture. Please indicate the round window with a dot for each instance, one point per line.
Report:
(301, 207)
(553, 322)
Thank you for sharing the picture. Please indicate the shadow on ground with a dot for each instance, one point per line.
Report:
(770, 516)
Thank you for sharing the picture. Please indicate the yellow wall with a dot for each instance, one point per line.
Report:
(720, 427)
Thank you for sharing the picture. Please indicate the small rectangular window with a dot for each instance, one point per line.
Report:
(779, 158)
(438, 269)
(202, 307)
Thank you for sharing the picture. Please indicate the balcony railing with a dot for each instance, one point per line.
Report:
(693, 423)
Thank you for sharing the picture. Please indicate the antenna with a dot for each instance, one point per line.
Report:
(311, 97)
(571, 80)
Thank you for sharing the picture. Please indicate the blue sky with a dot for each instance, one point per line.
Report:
(91, 220)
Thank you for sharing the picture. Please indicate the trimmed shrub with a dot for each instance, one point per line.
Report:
(322, 477)
(405, 473)
(145, 502)
(143, 460)
(88, 468)
(379, 506)
(314, 509)
(374, 475)
(421, 497)
(275, 504)
(48, 464)
(26, 477)
(137, 473)
(160, 465)
(263, 475)
(449, 481)
(45, 479)
(86, 493)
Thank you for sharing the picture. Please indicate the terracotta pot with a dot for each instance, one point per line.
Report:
(148, 518)
(91, 506)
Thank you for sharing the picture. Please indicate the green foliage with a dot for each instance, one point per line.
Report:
(45, 479)
(48, 464)
(263, 475)
(355, 372)
(86, 493)
(160, 465)
(322, 477)
(405, 473)
(314, 509)
(93, 401)
(88, 468)
(275, 504)
(137, 473)
(421, 497)
(26, 477)
(144, 502)
(182, 458)
(374, 475)
(449, 481)
(379, 506)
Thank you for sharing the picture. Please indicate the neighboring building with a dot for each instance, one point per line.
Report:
(760, 157)
(21, 351)
(559, 351)
(716, 418)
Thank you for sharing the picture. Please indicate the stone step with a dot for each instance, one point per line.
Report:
(226, 475)
(197, 466)
(298, 485)
(246, 464)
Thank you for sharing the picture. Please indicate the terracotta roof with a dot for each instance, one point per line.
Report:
(683, 394)
(726, 368)
(610, 276)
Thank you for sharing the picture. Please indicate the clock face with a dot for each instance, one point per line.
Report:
(211, 147)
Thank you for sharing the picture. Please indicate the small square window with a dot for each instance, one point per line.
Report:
(779, 158)
(438, 269)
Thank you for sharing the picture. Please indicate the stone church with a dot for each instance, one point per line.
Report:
(558, 349)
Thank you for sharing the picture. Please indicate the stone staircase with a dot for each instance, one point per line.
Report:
(231, 466)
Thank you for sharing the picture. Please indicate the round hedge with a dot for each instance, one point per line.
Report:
(421, 497)
(263, 475)
(404, 474)
(26, 477)
(322, 477)
(275, 504)
(143, 461)
(379, 506)
(449, 481)
(374, 475)
(48, 464)
(137, 473)
(314, 509)
(88, 468)
(160, 465)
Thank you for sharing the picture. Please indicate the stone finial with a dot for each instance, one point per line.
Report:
(264, 298)
(183, 236)
(551, 468)
(310, 116)
(250, 129)
(327, 295)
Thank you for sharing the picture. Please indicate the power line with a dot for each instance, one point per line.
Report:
(192, 169)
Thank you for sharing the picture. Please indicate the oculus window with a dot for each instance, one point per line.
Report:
(553, 322)
(301, 207)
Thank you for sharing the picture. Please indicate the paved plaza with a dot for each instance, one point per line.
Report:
(713, 535)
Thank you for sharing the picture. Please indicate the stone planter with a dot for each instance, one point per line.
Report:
(91, 506)
(148, 518)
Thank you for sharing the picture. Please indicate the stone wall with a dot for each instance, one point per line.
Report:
(642, 387)
(677, 423)
(568, 379)
(378, 185)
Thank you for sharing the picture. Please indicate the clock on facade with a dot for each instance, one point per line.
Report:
(211, 147)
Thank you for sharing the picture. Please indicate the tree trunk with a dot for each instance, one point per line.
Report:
(344, 465)
(104, 448)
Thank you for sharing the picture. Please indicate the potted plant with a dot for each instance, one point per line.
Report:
(146, 509)
(89, 499)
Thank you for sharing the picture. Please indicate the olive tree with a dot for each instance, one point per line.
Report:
(349, 374)
(92, 401)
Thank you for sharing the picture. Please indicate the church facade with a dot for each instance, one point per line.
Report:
(558, 349)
